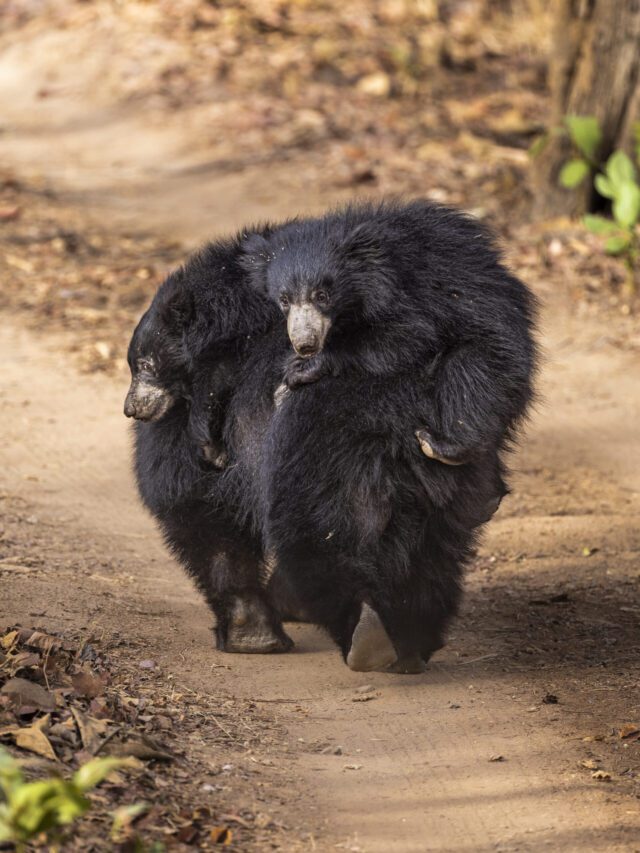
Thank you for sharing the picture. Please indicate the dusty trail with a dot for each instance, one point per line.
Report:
(540, 618)
(425, 780)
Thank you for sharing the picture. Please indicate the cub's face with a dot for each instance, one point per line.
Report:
(326, 282)
(159, 374)
(308, 312)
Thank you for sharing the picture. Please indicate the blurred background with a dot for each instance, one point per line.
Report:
(131, 131)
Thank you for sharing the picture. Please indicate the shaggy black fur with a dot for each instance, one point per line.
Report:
(426, 328)
(197, 342)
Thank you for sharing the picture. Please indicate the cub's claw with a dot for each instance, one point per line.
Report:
(301, 371)
(215, 456)
(280, 395)
(440, 451)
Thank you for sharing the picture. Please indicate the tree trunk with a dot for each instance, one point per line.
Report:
(594, 71)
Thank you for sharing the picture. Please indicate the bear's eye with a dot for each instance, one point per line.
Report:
(284, 301)
(145, 364)
(321, 297)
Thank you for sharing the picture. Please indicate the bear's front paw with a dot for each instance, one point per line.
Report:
(301, 371)
(441, 451)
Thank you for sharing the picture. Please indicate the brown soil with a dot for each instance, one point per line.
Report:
(496, 746)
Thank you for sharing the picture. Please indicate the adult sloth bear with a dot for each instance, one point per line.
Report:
(399, 315)
(205, 333)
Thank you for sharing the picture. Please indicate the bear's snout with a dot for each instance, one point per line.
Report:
(307, 328)
(147, 402)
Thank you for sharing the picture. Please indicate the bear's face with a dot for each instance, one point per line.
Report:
(156, 356)
(325, 283)
(307, 305)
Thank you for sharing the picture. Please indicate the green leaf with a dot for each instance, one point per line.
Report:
(538, 145)
(95, 771)
(635, 129)
(598, 224)
(10, 776)
(626, 205)
(603, 185)
(617, 245)
(585, 133)
(573, 173)
(620, 169)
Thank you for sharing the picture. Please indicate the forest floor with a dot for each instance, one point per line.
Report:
(524, 734)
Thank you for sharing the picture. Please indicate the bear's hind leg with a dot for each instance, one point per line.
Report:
(247, 625)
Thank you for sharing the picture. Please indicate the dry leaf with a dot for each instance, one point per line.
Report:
(28, 694)
(589, 764)
(32, 738)
(40, 640)
(138, 747)
(601, 775)
(221, 835)
(91, 730)
(88, 685)
(629, 729)
(8, 640)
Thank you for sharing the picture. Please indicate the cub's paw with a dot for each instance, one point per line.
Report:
(441, 451)
(215, 455)
(301, 371)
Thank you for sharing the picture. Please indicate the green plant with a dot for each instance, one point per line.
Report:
(45, 806)
(616, 180)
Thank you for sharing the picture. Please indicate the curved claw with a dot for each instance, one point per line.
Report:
(371, 648)
(430, 448)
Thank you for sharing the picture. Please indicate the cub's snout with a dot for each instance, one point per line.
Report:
(146, 401)
(307, 328)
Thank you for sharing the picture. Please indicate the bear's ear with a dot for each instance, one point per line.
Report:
(255, 254)
(364, 258)
(178, 309)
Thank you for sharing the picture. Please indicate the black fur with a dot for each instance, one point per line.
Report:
(427, 328)
(202, 328)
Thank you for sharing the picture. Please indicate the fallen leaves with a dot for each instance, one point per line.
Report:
(629, 730)
(32, 738)
(88, 685)
(26, 694)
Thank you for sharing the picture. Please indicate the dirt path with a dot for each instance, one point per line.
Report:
(474, 755)
(423, 746)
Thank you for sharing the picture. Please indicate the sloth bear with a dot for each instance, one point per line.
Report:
(398, 315)
(205, 333)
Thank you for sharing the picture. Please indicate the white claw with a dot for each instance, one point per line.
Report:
(371, 649)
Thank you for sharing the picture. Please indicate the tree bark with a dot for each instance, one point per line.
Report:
(594, 71)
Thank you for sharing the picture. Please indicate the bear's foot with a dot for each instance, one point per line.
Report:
(250, 630)
(409, 665)
(371, 648)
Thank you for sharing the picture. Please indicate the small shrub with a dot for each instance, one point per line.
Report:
(45, 806)
(616, 180)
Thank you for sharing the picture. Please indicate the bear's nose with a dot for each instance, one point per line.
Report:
(129, 407)
(308, 349)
